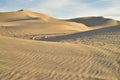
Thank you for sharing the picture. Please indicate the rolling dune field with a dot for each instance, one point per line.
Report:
(35, 46)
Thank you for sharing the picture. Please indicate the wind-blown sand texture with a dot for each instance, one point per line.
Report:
(34, 46)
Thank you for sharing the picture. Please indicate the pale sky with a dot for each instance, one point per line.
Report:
(66, 8)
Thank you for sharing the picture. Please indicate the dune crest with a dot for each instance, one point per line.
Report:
(27, 23)
(22, 14)
(96, 21)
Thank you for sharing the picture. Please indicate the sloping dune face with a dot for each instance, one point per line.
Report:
(96, 21)
(108, 38)
(30, 60)
(27, 23)
(22, 15)
(35, 46)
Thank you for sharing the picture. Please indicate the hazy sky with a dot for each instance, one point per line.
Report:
(66, 8)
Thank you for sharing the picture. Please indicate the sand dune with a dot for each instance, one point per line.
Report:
(113, 30)
(96, 21)
(22, 14)
(35, 46)
(27, 23)
(102, 36)
(31, 60)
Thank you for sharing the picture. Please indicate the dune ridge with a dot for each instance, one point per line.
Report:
(107, 38)
(96, 21)
(25, 23)
(107, 31)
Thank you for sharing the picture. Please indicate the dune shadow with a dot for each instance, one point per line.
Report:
(75, 36)
(92, 21)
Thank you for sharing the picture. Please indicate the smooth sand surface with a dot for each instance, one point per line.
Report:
(34, 46)
(97, 21)
(25, 23)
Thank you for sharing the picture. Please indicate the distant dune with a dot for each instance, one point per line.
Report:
(95, 21)
(96, 32)
(25, 22)
(35, 46)
(22, 14)
(108, 38)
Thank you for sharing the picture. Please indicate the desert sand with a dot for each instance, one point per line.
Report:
(95, 21)
(35, 46)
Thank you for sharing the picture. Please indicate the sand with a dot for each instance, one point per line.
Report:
(97, 21)
(34, 46)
